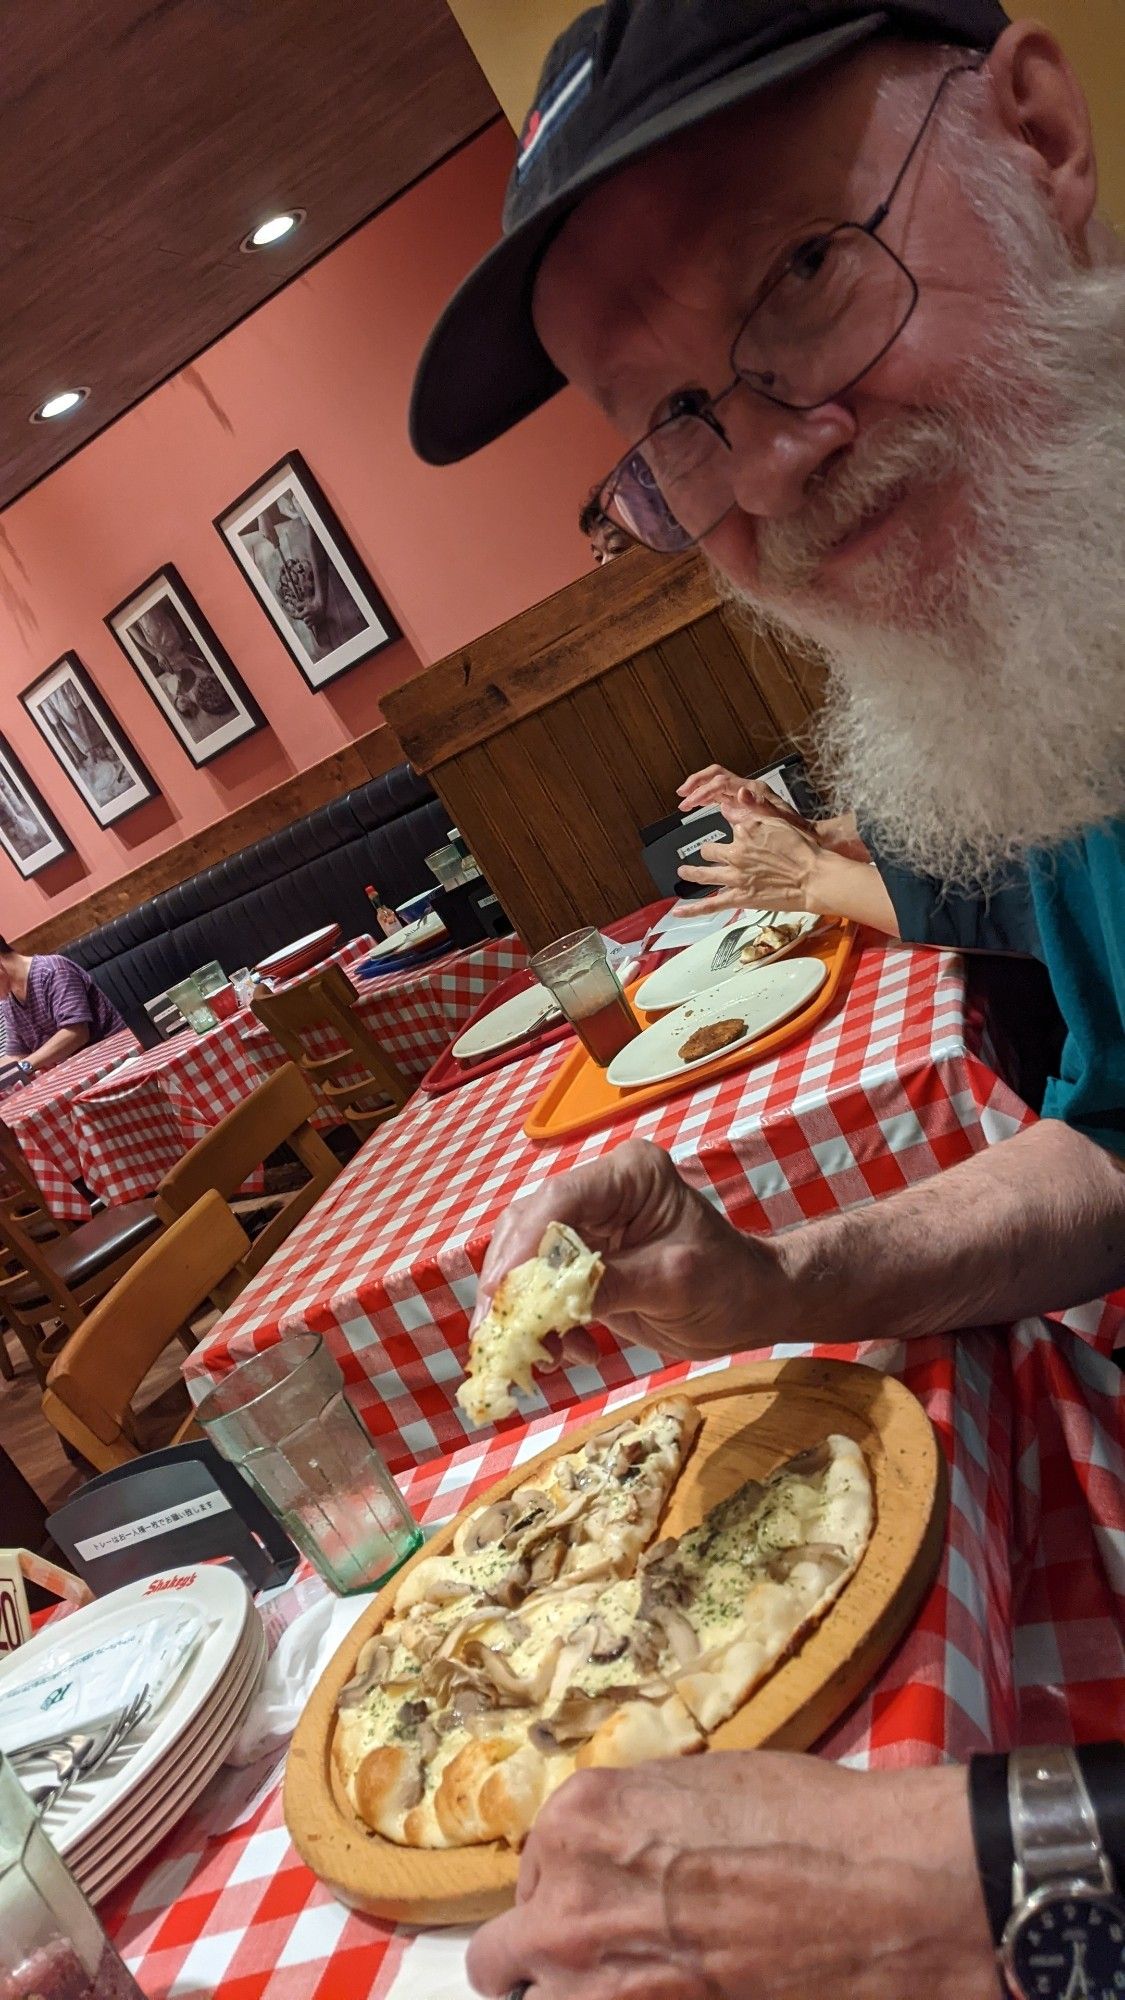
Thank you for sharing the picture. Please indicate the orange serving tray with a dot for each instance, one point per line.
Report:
(578, 1096)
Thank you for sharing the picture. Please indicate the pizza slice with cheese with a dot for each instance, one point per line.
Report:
(553, 1292)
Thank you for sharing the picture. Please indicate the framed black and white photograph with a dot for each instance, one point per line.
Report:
(30, 835)
(97, 757)
(299, 562)
(186, 669)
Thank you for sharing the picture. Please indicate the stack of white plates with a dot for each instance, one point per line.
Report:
(106, 1824)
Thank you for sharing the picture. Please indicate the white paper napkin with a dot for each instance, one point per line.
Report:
(76, 1687)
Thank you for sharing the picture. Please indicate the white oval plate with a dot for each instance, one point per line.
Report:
(320, 941)
(424, 930)
(689, 972)
(761, 996)
(522, 1015)
(224, 1600)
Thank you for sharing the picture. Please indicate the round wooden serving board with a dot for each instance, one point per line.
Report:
(753, 1418)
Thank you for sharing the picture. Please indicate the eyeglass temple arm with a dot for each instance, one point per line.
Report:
(879, 215)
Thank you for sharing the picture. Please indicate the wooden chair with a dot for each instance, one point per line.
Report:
(50, 1272)
(345, 1065)
(91, 1387)
(275, 1114)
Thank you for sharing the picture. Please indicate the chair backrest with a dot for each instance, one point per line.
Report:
(316, 1023)
(92, 1384)
(275, 1114)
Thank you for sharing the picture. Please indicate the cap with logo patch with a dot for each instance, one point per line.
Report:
(621, 80)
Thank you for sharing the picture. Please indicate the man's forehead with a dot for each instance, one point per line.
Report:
(697, 223)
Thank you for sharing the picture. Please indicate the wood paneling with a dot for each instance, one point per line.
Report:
(143, 138)
(555, 738)
(368, 757)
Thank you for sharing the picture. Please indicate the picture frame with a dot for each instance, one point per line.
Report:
(87, 741)
(181, 661)
(305, 572)
(30, 835)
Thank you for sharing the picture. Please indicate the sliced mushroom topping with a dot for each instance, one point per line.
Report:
(608, 1644)
(547, 1562)
(487, 1527)
(513, 1585)
(785, 1561)
(373, 1665)
(663, 1581)
(578, 1715)
(680, 1635)
(509, 1686)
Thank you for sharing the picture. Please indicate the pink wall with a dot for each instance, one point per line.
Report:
(325, 368)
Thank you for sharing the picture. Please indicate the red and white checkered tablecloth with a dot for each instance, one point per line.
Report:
(415, 1015)
(1020, 1640)
(887, 1089)
(41, 1114)
(131, 1128)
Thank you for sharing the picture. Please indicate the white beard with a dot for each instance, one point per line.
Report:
(980, 713)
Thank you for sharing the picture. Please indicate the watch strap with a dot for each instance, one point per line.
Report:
(1054, 1827)
(992, 1838)
(1103, 1767)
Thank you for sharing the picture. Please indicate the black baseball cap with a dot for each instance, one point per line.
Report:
(622, 79)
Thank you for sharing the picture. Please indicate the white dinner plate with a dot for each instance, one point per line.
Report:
(522, 1015)
(223, 1600)
(425, 930)
(760, 997)
(176, 1771)
(163, 1809)
(304, 950)
(690, 971)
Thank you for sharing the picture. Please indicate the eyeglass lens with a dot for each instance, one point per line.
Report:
(839, 303)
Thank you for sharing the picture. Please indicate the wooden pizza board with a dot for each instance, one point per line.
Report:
(753, 1418)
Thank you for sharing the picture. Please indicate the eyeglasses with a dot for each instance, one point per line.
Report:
(839, 301)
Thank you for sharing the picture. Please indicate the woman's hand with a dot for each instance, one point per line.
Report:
(769, 863)
(746, 1876)
(678, 1276)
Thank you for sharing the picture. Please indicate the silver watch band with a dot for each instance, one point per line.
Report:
(1054, 1826)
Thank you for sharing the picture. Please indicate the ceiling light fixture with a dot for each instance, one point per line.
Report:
(273, 230)
(62, 405)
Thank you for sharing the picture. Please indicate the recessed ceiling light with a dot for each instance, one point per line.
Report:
(273, 229)
(59, 406)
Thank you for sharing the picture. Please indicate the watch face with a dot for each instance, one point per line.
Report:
(1070, 1946)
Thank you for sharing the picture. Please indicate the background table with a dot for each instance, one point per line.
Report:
(41, 1114)
(415, 1015)
(890, 1087)
(126, 1131)
(240, 1917)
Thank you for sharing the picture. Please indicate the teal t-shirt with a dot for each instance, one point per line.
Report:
(1079, 897)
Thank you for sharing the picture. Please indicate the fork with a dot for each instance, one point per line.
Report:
(730, 943)
(88, 1753)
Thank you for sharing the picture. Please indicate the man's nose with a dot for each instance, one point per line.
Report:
(775, 451)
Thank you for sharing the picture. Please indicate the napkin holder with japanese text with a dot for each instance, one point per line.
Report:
(170, 1510)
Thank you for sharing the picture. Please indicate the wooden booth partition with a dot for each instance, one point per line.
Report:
(555, 738)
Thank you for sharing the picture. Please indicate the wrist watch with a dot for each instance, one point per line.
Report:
(1065, 1936)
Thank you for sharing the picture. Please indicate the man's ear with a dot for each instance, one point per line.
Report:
(1040, 102)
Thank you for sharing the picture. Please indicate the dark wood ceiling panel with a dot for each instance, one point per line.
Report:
(140, 139)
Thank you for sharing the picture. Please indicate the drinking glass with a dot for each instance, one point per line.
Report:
(52, 1946)
(283, 1419)
(577, 971)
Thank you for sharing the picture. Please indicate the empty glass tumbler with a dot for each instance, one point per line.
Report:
(577, 971)
(52, 1946)
(283, 1419)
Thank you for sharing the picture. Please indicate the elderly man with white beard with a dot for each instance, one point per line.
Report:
(836, 271)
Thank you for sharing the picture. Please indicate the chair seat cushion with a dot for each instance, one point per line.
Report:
(95, 1245)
